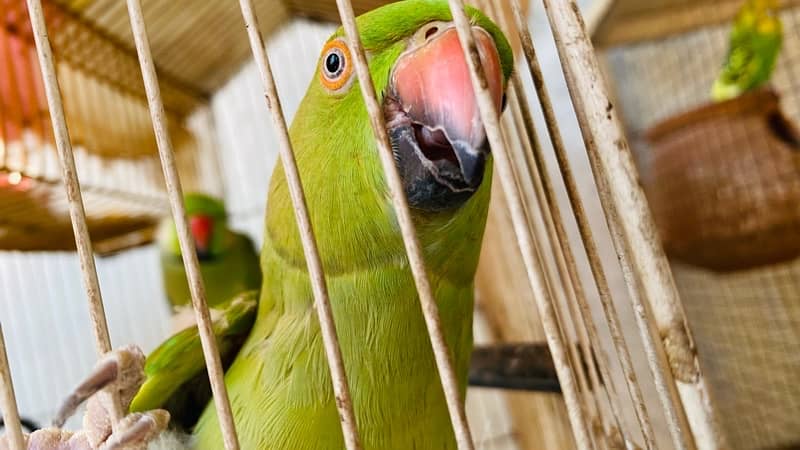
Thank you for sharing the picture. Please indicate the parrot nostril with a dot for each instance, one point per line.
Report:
(430, 32)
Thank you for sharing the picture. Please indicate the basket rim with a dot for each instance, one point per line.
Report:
(760, 101)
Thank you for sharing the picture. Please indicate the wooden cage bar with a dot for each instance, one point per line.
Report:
(577, 305)
(13, 434)
(558, 283)
(330, 339)
(430, 310)
(580, 310)
(537, 195)
(573, 292)
(610, 313)
(187, 245)
(645, 267)
(77, 212)
(545, 303)
(585, 327)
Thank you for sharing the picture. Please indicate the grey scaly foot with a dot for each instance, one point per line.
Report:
(121, 370)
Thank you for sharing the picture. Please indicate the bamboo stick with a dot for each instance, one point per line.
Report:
(529, 183)
(70, 176)
(562, 256)
(645, 267)
(588, 333)
(188, 250)
(330, 339)
(606, 300)
(430, 310)
(560, 248)
(11, 420)
(556, 284)
(545, 304)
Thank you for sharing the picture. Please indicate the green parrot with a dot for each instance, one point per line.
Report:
(755, 43)
(228, 260)
(276, 371)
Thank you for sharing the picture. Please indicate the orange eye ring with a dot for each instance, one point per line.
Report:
(336, 67)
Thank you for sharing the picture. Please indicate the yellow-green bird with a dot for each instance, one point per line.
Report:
(228, 259)
(278, 381)
(755, 43)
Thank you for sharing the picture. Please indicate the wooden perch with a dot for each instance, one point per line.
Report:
(522, 366)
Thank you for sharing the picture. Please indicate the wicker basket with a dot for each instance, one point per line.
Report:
(725, 184)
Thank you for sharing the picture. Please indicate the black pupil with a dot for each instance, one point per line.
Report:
(332, 63)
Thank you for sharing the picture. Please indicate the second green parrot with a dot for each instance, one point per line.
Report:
(228, 260)
(755, 43)
(277, 375)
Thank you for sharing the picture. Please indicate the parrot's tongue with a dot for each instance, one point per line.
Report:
(431, 106)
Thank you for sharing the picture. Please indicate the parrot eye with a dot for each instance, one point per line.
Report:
(333, 64)
(336, 68)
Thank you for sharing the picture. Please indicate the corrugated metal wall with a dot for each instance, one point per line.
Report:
(46, 319)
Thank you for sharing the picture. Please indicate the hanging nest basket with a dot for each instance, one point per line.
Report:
(725, 184)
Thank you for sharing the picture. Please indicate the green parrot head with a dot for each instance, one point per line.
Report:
(423, 81)
(207, 224)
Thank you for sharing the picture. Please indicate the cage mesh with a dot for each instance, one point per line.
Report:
(745, 322)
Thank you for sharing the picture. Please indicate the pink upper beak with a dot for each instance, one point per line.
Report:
(432, 81)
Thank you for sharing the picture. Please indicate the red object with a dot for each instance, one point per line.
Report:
(22, 100)
(201, 228)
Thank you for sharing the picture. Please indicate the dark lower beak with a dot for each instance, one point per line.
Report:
(433, 116)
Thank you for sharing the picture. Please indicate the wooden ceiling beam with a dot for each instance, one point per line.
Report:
(616, 26)
(325, 10)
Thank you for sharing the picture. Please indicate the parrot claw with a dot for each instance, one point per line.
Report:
(121, 370)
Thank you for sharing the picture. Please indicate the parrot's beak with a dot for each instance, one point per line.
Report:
(201, 227)
(433, 116)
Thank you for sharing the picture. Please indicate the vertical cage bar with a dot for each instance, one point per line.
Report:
(559, 247)
(322, 302)
(11, 420)
(557, 284)
(583, 310)
(584, 228)
(188, 251)
(644, 264)
(77, 213)
(563, 253)
(545, 304)
(430, 310)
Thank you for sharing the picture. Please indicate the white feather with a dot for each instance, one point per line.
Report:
(171, 440)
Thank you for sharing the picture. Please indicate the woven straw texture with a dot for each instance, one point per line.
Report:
(745, 323)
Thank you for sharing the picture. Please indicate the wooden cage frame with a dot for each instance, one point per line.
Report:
(524, 181)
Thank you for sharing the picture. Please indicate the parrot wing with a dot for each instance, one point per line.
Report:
(176, 376)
